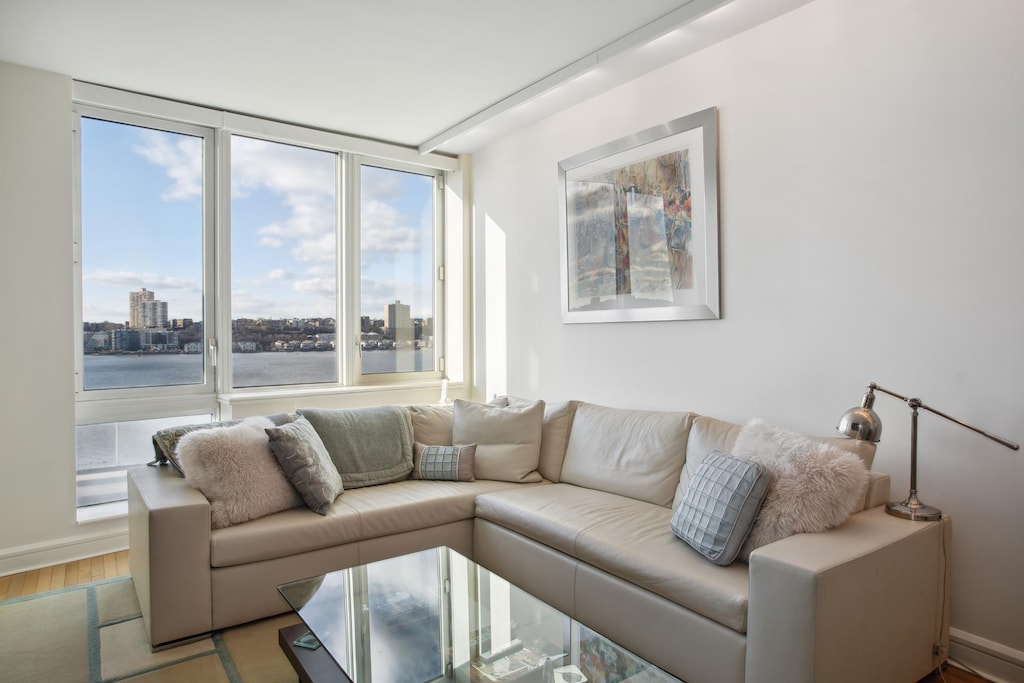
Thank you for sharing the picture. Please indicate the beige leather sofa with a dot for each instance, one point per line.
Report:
(593, 540)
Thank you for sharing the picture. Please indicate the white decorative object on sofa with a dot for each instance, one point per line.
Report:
(814, 486)
(236, 470)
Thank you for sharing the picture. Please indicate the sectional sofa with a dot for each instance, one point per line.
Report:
(587, 529)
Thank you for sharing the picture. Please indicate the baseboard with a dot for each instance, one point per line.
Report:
(993, 660)
(38, 555)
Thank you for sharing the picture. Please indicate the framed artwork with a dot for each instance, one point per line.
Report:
(639, 226)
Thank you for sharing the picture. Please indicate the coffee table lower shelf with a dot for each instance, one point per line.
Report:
(313, 666)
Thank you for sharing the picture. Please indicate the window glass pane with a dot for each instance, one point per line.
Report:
(284, 297)
(142, 256)
(397, 277)
(104, 451)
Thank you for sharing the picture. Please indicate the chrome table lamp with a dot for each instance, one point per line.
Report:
(861, 422)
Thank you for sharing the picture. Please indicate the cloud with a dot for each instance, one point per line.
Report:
(181, 157)
(151, 281)
(305, 182)
(380, 184)
(383, 231)
(279, 274)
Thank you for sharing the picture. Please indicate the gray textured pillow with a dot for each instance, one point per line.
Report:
(367, 445)
(507, 438)
(720, 506)
(304, 459)
(237, 472)
(443, 463)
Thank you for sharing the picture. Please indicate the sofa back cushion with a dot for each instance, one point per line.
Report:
(558, 419)
(432, 424)
(507, 437)
(634, 453)
(709, 434)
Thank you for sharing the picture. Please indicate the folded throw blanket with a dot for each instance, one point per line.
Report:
(368, 445)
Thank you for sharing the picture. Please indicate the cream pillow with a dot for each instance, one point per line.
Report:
(507, 438)
(236, 470)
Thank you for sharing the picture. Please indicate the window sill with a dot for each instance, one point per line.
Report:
(102, 512)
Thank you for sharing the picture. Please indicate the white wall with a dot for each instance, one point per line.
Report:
(37, 474)
(871, 161)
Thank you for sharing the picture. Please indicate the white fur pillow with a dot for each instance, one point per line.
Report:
(814, 485)
(236, 470)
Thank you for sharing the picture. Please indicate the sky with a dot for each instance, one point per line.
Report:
(142, 227)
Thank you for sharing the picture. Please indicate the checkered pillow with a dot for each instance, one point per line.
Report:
(720, 506)
(443, 463)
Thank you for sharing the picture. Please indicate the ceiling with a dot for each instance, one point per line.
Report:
(447, 76)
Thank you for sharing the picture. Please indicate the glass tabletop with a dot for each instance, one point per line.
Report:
(436, 616)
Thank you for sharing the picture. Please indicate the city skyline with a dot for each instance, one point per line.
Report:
(142, 217)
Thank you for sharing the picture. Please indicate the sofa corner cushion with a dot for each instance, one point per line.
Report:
(304, 459)
(432, 424)
(367, 445)
(443, 463)
(814, 487)
(555, 438)
(720, 506)
(507, 438)
(235, 469)
(606, 442)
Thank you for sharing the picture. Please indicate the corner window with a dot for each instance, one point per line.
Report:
(221, 257)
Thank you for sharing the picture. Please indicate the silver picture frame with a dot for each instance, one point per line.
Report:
(639, 226)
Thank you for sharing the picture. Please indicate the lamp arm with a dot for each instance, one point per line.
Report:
(916, 403)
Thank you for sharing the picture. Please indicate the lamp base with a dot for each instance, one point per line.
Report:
(913, 509)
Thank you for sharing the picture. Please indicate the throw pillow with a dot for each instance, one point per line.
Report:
(305, 461)
(720, 506)
(507, 438)
(367, 445)
(237, 472)
(814, 486)
(443, 463)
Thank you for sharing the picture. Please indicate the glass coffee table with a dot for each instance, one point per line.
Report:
(436, 616)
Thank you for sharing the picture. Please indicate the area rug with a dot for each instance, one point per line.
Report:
(94, 633)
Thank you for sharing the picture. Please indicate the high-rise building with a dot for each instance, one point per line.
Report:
(397, 322)
(153, 314)
(135, 300)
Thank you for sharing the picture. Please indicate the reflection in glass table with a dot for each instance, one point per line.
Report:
(434, 615)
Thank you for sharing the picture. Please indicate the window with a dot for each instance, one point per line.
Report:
(142, 256)
(284, 287)
(224, 258)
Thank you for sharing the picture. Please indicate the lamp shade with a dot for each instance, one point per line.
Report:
(861, 422)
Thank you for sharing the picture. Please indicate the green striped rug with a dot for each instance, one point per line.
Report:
(94, 633)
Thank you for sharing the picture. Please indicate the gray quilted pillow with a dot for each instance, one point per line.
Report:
(720, 506)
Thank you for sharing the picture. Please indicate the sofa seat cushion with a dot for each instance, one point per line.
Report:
(356, 515)
(627, 538)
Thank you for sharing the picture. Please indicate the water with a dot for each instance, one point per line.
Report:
(250, 369)
(119, 444)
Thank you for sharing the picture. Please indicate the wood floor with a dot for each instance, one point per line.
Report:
(64, 575)
(116, 564)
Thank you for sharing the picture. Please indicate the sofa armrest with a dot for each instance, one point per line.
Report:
(169, 553)
(867, 601)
